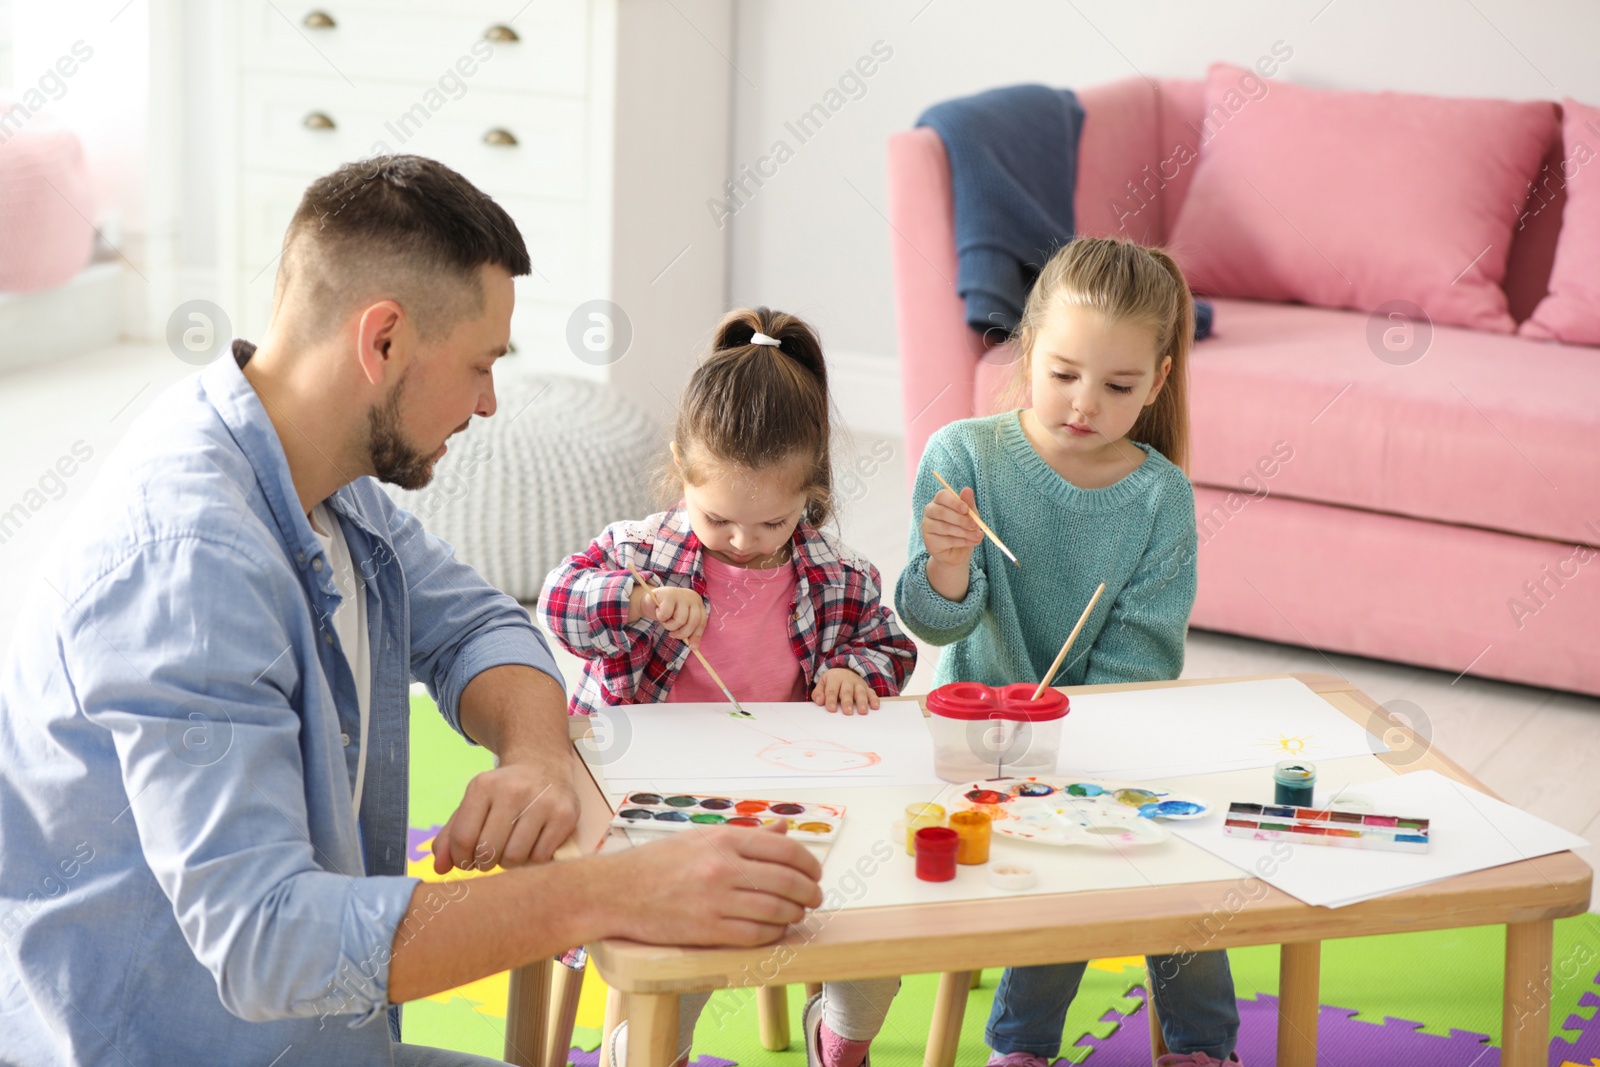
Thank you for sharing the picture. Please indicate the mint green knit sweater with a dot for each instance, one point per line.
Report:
(1137, 536)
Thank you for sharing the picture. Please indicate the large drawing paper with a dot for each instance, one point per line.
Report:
(788, 745)
(1202, 729)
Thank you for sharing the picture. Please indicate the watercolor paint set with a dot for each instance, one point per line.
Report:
(1316, 826)
(808, 821)
(1078, 811)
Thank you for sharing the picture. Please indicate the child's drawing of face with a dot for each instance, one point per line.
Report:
(816, 756)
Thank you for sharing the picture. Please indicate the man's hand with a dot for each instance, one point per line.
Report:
(516, 814)
(523, 810)
(723, 886)
(842, 689)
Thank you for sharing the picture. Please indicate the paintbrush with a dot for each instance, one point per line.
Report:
(1073, 636)
(981, 524)
(715, 677)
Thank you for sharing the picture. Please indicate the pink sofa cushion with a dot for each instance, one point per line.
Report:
(1349, 199)
(1483, 430)
(45, 206)
(1571, 312)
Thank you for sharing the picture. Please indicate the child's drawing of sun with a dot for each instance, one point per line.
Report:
(1292, 745)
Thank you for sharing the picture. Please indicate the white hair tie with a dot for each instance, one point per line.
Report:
(763, 339)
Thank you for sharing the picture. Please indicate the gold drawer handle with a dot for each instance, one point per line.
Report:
(500, 138)
(501, 34)
(318, 20)
(318, 120)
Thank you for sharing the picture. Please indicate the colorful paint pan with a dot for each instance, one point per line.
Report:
(1075, 811)
(1316, 826)
(678, 811)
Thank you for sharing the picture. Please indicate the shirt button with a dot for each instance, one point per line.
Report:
(345, 738)
(300, 557)
(316, 564)
(327, 638)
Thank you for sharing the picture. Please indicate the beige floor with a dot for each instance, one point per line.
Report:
(1538, 748)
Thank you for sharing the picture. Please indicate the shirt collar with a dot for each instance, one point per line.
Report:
(814, 555)
(241, 411)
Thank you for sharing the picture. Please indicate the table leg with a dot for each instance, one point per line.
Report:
(527, 1002)
(772, 1016)
(652, 1029)
(616, 1011)
(1525, 1025)
(1299, 981)
(566, 986)
(949, 1008)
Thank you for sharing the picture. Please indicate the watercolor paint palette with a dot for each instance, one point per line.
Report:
(807, 821)
(1316, 826)
(1079, 811)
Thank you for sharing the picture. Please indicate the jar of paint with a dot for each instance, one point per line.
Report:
(936, 853)
(919, 816)
(1294, 782)
(984, 731)
(972, 828)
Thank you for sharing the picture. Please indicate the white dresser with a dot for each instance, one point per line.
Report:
(583, 118)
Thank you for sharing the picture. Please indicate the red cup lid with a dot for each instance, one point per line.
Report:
(972, 701)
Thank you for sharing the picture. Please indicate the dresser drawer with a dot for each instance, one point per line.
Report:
(538, 47)
(302, 125)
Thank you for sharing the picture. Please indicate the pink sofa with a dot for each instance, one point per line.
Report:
(1443, 513)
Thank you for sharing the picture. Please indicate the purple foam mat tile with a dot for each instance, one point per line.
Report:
(1586, 1049)
(1341, 1041)
(579, 1058)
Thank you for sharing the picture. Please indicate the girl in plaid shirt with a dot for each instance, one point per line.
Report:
(743, 571)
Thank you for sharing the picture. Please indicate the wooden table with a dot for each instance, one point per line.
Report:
(956, 938)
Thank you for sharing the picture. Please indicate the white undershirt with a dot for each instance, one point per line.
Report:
(350, 624)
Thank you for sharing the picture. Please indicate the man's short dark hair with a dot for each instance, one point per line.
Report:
(396, 227)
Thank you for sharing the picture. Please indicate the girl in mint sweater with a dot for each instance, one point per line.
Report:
(1086, 485)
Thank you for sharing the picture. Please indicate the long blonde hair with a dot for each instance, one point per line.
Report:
(1125, 282)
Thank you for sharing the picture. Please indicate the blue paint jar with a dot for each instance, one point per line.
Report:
(1294, 782)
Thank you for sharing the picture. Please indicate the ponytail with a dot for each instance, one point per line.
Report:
(760, 405)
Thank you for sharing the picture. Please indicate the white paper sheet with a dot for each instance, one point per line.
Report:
(1202, 729)
(784, 746)
(1469, 831)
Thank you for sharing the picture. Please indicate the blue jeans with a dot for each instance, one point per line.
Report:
(1194, 1000)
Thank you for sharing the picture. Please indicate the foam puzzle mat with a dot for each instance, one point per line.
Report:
(1429, 999)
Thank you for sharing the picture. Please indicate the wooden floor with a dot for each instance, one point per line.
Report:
(1538, 748)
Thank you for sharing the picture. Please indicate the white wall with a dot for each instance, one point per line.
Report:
(813, 239)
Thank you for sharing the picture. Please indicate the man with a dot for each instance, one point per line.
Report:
(203, 715)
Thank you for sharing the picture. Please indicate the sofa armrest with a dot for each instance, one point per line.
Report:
(938, 352)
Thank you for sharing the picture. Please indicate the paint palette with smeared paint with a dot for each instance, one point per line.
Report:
(808, 821)
(1079, 811)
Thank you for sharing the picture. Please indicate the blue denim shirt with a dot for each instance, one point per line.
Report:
(182, 879)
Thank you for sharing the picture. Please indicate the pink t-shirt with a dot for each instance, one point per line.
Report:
(746, 637)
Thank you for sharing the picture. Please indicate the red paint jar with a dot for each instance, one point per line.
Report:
(936, 853)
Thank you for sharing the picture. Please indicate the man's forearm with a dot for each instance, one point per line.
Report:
(519, 713)
(461, 930)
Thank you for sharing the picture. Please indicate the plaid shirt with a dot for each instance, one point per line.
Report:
(838, 620)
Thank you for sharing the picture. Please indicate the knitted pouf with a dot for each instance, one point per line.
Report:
(517, 493)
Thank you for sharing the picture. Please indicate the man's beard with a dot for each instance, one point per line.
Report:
(394, 460)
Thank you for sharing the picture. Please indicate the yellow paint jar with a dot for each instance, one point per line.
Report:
(973, 830)
(918, 816)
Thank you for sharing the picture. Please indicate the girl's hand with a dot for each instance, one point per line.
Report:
(948, 530)
(681, 611)
(842, 689)
(950, 535)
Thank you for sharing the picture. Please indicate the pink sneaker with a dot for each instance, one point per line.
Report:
(1018, 1059)
(1196, 1059)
